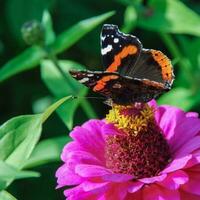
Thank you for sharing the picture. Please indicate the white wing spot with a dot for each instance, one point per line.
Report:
(90, 75)
(116, 40)
(117, 86)
(84, 80)
(103, 38)
(106, 49)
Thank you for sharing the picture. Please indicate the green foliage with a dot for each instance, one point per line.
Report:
(32, 9)
(6, 196)
(31, 57)
(47, 151)
(21, 63)
(76, 32)
(48, 28)
(180, 97)
(18, 138)
(8, 172)
(72, 32)
(169, 16)
(54, 79)
(130, 19)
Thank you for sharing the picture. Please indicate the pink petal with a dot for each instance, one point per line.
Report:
(77, 193)
(186, 129)
(188, 196)
(188, 147)
(88, 186)
(115, 192)
(81, 157)
(134, 196)
(153, 179)
(66, 176)
(169, 120)
(71, 146)
(85, 170)
(192, 114)
(177, 164)
(195, 160)
(135, 186)
(109, 129)
(174, 180)
(193, 185)
(159, 111)
(195, 168)
(153, 103)
(90, 141)
(117, 178)
(154, 192)
(94, 126)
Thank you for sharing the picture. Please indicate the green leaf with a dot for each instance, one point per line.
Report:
(47, 151)
(48, 28)
(170, 16)
(19, 135)
(76, 32)
(54, 80)
(130, 19)
(180, 97)
(4, 195)
(53, 107)
(190, 46)
(8, 172)
(25, 61)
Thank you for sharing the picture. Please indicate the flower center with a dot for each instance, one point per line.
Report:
(139, 148)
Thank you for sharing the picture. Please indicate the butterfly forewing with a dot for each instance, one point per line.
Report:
(119, 51)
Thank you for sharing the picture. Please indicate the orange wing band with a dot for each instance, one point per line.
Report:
(102, 82)
(165, 64)
(128, 50)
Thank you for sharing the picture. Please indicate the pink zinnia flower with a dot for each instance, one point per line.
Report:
(139, 152)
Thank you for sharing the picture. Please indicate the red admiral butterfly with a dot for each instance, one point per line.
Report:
(132, 73)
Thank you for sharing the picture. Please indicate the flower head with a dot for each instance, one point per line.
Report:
(141, 152)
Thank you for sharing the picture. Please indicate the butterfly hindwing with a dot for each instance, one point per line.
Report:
(119, 51)
(154, 66)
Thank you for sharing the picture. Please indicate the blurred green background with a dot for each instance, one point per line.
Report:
(27, 82)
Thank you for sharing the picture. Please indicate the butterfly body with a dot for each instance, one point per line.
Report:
(132, 73)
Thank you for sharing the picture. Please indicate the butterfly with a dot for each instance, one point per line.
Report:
(131, 73)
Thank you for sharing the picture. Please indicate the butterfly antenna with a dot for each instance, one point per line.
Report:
(88, 97)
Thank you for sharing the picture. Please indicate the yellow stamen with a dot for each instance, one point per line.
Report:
(131, 119)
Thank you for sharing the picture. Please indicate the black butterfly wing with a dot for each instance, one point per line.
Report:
(155, 66)
(120, 89)
(126, 90)
(119, 51)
